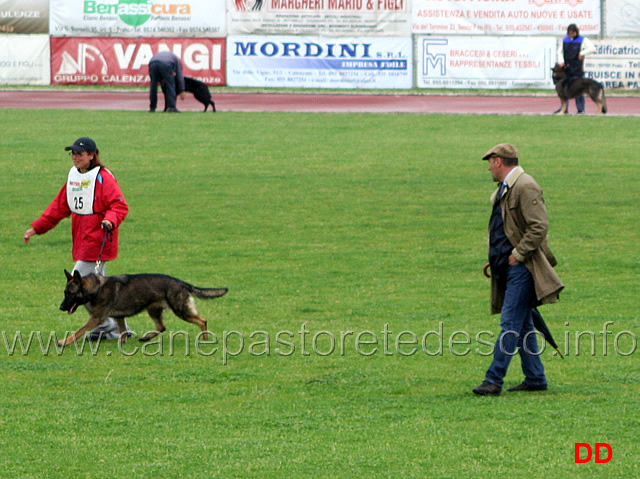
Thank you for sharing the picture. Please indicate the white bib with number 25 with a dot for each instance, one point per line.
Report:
(81, 188)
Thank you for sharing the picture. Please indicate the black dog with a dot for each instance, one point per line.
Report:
(568, 88)
(200, 92)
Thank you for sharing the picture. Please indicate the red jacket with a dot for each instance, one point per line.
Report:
(108, 204)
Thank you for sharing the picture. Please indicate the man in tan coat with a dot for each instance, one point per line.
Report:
(522, 274)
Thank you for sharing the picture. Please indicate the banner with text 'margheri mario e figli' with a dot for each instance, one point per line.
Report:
(320, 17)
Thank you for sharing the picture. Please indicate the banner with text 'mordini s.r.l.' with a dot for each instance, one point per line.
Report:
(485, 62)
(320, 17)
(132, 18)
(124, 61)
(504, 17)
(24, 59)
(319, 62)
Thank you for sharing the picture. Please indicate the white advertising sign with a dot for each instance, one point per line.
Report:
(132, 18)
(615, 64)
(504, 17)
(485, 62)
(319, 17)
(623, 18)
(318, 62)
(24, 60)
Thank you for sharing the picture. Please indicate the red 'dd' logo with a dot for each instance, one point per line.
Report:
(579, 446)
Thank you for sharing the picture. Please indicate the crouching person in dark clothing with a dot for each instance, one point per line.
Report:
(166, 69)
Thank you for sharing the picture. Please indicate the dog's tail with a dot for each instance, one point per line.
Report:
(207, 293)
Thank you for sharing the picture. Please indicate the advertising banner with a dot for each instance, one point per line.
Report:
(485, 62)
(319, 17)
(124, 61)
(623, 18)
(615, 64)
(24, 60)
(318, 62)
(131, 18)
(18, 16)
(505, 17)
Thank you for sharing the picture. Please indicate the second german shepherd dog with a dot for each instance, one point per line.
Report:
(126, 295)
(568, 88)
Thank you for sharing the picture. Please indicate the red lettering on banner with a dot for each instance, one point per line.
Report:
(297, 4)
(390, 4)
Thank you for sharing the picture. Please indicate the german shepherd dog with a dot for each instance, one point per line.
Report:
(126, 295)
(568, 88)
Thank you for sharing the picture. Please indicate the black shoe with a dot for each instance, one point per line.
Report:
(581, 113)
(528, 387)
(487, 389)
(152, 110)
(173, 110)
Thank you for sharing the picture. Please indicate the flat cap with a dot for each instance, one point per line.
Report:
(503, 150)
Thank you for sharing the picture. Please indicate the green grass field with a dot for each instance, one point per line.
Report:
(357, 319)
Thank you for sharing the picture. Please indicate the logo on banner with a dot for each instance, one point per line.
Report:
(571, 3)
(248, 5)
(88, 60)
(135, 12)
(434, 62)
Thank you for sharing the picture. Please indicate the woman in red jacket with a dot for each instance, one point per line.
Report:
(92, 197)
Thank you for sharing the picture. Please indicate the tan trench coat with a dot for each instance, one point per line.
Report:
(526, 224)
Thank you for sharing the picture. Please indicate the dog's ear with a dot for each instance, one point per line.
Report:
(68, 275)
(76, 276)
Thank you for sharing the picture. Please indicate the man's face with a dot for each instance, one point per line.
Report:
(573, 34)
(495, 163)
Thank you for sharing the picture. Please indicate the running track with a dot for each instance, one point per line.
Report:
(317, 103)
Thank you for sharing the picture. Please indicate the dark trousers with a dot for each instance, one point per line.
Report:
(575, 70)
(517, 335)
(163, 74)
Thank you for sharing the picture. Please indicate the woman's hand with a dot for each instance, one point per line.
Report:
(28, 234)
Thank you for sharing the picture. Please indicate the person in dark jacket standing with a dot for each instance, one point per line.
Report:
(522, 275)
(571, 52)
(166, 69)
(93, 199)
